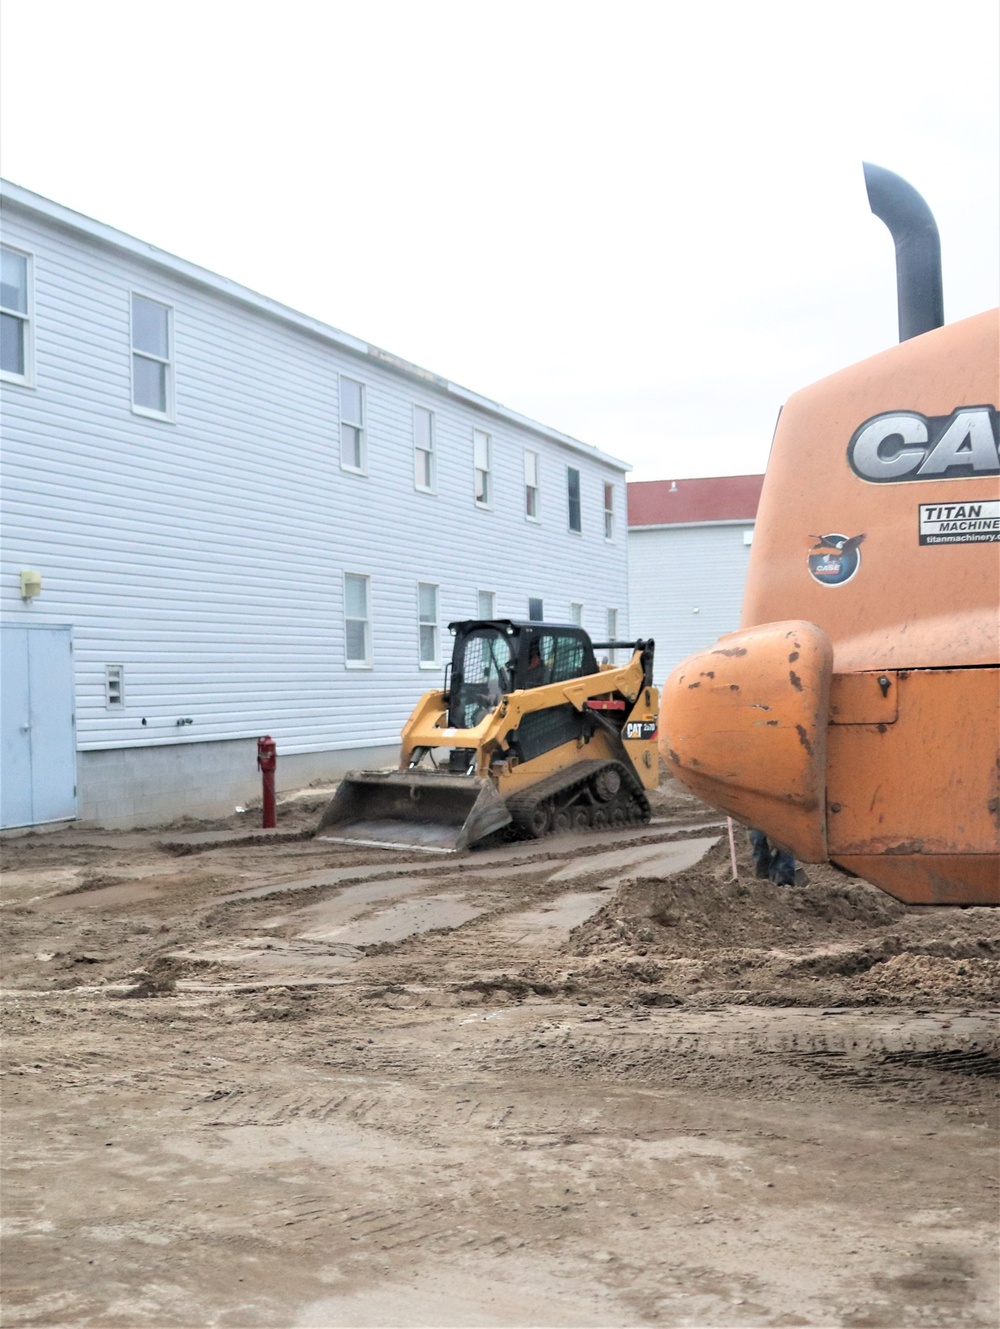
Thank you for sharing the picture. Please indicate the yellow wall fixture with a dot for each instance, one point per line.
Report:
(31, 583)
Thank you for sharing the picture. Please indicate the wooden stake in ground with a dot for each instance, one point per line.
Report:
(732, 848)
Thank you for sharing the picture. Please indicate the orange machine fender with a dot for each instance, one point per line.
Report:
(743, 725)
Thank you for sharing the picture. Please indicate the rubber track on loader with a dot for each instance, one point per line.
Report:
(630, 804)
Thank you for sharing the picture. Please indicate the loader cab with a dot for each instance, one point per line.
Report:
(493, 657)
(552, 654)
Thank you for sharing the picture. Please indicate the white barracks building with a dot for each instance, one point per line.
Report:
(224, 519)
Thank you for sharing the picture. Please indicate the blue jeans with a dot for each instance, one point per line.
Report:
(771, 864)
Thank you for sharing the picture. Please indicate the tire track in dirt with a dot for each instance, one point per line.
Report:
(712, 1102)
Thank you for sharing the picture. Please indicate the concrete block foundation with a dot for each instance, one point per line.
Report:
(124, 788)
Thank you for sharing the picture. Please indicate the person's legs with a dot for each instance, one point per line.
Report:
(771, 864)
(761, 855)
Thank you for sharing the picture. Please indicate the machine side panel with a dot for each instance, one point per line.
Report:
(898, 788)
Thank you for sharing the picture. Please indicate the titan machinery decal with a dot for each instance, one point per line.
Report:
(900, 446)
(640, 729)
(971, 523)
(835, 558)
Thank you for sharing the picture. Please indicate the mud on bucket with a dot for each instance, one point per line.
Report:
(429, 810)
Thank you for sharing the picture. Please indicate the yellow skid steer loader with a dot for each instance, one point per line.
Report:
(530, 732)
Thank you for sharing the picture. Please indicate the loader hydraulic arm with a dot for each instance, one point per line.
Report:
(428, 728)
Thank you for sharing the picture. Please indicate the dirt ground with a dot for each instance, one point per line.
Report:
(586, 1081)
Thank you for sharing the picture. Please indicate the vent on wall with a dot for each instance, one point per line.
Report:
(114, 686)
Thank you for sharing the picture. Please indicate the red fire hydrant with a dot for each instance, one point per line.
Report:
(267, 761)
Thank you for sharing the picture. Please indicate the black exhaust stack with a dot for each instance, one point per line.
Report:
(918, 250)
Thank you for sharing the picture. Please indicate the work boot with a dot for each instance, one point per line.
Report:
(782, 871)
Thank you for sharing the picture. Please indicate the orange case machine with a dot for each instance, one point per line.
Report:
(855, 717)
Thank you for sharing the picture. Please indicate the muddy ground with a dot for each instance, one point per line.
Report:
(583, 1081)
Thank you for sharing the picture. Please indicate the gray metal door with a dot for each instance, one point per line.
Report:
(38, 738)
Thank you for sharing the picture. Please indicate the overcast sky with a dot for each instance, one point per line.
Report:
(643, 224)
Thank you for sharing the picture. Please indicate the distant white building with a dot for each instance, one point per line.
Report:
(224, 519)
(689, 546)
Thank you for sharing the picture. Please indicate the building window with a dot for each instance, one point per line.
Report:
(357, 621)
(352, 425)
(536, 609)
(423, 449)
(573, 497)
(531, 485)
(576, 614)
(484, 478)
(427, 604)
(114, 686)
(748, 536)
(152, 378)
(15, 316)
(609, 511)
(612, 632)
(487, 604)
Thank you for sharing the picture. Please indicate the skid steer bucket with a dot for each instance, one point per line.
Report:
(429, 810)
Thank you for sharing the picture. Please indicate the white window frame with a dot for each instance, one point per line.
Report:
(170, 413)
(360, 425)
(609, 512)
(612, 626)
(27, 317)
(576, 613)
(431, 453)
(479, 605)
(485, 504)
(535, 516)
(366, 663)
(114, 680)
(425, 623)
(578, 529)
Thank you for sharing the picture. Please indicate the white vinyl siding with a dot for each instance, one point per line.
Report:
(486, 604)
(609, 511)
(686, 586)
(357, 621)
(481, 463)
(352, 425)
(427, 612)
(531, 507)
(212, 569)
(424, 473)
(152, 366)
(16, 329)
(575, 518)
(612, 625)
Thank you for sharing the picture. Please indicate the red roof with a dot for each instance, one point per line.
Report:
(715, 498)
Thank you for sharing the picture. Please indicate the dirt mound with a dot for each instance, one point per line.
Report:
(702, 936)
(705, 907)
(157, 979)
(932, 979)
